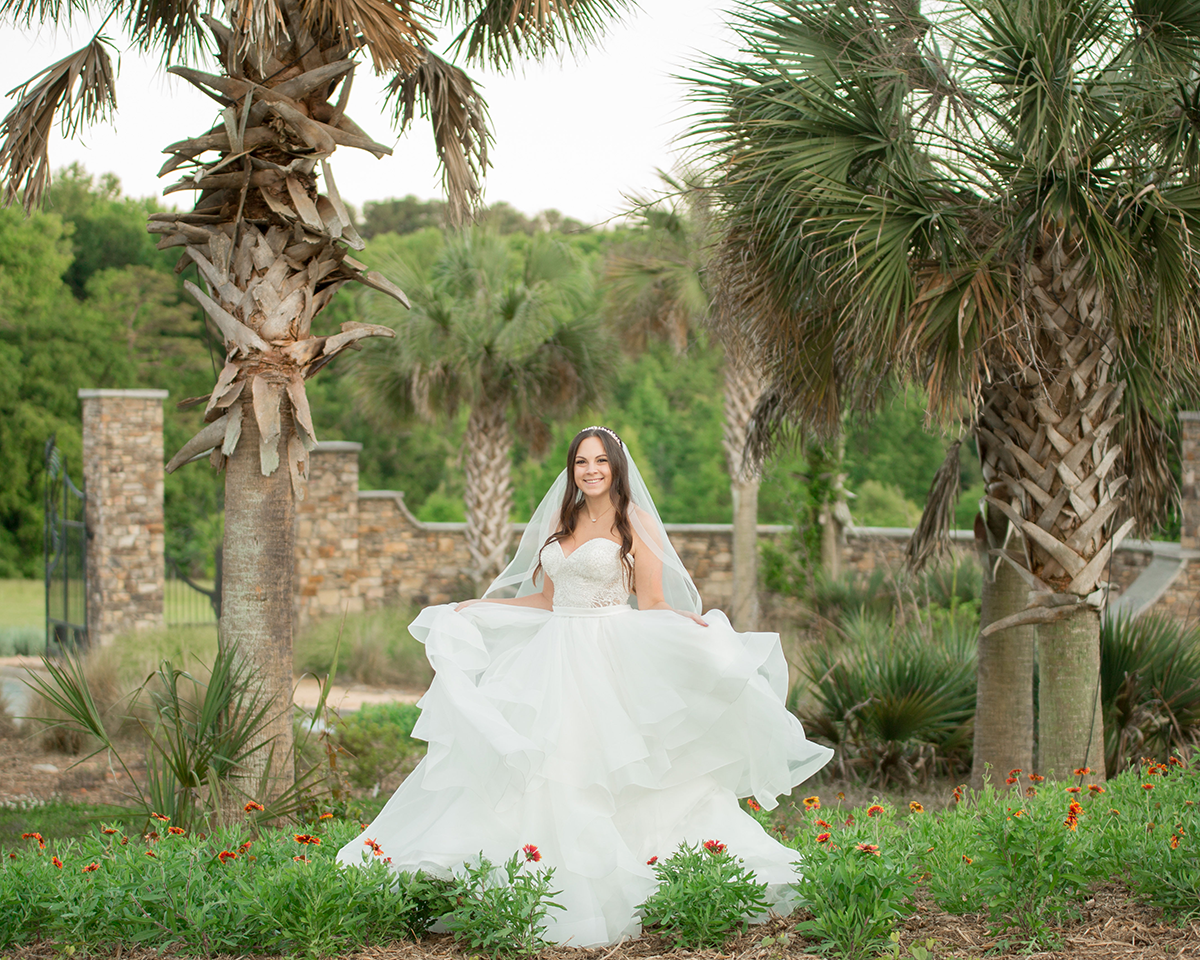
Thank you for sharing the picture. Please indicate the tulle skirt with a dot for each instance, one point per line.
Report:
(604, 737)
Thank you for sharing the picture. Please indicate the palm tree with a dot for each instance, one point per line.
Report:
(1001, 203)
(662, 285)
(514, 338)
(270, 247)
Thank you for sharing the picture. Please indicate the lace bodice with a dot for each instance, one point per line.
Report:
(590, 577)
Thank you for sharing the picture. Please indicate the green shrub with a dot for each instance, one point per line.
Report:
(891, 706)
(502, 916)
(376, 648)
(25, 641)
(378, 738)
(879, 504)
(703, 894)
(857, 888)
(1149, 687)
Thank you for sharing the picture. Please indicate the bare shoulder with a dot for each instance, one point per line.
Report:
(645, 527)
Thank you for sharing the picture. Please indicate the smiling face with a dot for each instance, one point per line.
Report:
(592, 470)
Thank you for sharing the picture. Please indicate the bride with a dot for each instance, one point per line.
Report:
(561, 716)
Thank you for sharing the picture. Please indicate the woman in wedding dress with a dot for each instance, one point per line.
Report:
(561, 716)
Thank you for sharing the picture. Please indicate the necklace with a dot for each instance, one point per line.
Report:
(597, 519)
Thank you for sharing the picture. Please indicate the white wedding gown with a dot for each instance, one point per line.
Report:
(602, 734)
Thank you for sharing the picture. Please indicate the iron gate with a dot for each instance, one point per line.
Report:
(65, 548)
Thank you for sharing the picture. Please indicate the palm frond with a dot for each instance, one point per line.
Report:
(499, 32)
(79, 89)
(390, 30)
(460, 125)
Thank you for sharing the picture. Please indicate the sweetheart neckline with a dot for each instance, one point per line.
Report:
(568, 556)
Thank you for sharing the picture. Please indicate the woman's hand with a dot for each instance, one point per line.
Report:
(663, 605)
(458, 608)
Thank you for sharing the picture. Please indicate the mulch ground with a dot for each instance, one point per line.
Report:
(1111, 925)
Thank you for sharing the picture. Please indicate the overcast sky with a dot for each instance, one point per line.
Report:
(575, 135)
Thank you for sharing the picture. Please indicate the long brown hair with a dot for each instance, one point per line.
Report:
(618, 493)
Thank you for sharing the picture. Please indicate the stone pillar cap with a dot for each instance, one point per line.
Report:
(337, 446)
(87, 394)
(1189, 415)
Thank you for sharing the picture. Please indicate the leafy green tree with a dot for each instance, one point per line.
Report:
(401, 216)
(997, 201)
(513, 339)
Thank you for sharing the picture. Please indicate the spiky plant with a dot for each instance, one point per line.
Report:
(268, 237)
(998, 200)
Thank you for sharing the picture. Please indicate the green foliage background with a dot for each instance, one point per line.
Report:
(86, 300)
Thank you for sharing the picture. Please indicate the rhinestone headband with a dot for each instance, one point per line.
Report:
(606, 430)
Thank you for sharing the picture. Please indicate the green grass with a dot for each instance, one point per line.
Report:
(54, 818)
(22, 603)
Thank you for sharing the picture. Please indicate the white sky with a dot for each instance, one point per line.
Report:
(573, 135)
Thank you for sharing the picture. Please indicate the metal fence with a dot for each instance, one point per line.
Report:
(65, 554)
(188, 602)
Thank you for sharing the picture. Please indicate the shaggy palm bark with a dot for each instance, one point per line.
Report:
(488, 467)
(1063, 492)
(743, 387)
(271, 252)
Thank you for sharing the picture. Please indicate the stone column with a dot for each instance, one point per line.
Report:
(123, 477)
(1189, 491)
(327, 560)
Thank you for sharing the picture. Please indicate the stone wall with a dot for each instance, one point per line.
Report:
(123, 480)
(357, 550)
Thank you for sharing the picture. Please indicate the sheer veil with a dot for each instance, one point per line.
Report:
(516, 580)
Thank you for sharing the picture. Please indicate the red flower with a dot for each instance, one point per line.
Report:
(716, 846)
(868, 848)
(1083, 771)
(91, 868)
(822, 823)
(245, 846)
(850, 821)
(35, 836)
(1031, 791)
(1034, 778)
(252, 806)
(226, 855)
(915, 807)
(822, 838)
(1176, 762)
(841, 796)
(108, 830)
(58, 863)
(1015, 772)
(305, 838)
(1147, 786)
(874, 810)
(376, 849)
(152, 835)
(753, 804)
(1070, 823)
(652, 861)
(151, 853)
(1174, 842)
(531, 853)
(1011, 780)
(967, 859)
(176, 831)
(301, 859)
(160, 817)
(325, 816)
(12, 856)
(812, 803)
(1095, 788)
(958, 792)
(1073, 789)
(1075, 809)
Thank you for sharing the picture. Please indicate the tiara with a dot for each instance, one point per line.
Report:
(607, 430)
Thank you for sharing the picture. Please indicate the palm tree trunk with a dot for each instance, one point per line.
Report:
(257, 597)
(743, 387)
(487, 455)
(1004, 674)
(1070, 723)
(744, 602)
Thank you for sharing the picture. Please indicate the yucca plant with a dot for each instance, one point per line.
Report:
(895, 706)
(1150, 688)
(998, 200)
(269, 234)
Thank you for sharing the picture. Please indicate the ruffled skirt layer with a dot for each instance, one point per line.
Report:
(605, 737)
